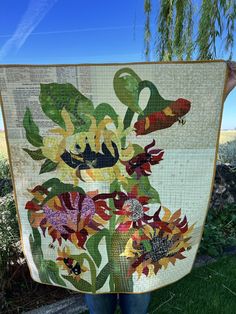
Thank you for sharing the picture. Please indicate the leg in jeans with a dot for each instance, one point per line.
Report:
(101, 303)
(134, 303)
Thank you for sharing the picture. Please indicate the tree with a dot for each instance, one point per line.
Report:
(189, 29)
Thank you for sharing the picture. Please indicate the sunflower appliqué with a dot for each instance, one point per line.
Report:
(142, 162)
(132, 209)
(72, 216)
(67, 263)
(151, 247)
(91, 155)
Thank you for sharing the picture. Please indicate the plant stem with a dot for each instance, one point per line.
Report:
(127, 121)
(92, 269)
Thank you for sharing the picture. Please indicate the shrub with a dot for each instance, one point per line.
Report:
(219, 231)
(10, 250)
(4, 169)
(227, 153)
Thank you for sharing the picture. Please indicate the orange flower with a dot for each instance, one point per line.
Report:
(157, 244)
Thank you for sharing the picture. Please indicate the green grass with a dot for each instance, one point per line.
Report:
(206, 290)
(209, 289)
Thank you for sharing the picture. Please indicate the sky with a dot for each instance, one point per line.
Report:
(76, 31)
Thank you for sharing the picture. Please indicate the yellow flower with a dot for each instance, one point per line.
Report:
(69, 264)
(90, 156)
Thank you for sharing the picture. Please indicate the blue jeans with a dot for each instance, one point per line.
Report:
(129, 303)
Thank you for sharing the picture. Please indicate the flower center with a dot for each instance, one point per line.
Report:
(88, 208)
(135, 207)
(160, 247)
(56, 218)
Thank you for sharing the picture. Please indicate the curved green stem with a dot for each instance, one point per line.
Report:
(80, 259)
(127, 121)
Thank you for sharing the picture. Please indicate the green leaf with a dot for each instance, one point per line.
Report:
(81, 285)
(54, 97)
(137, 149)
(35, 154)
(92, 245)
(32, 130)
(37, 254)
(103, 275)
(35, 245)
(155, 103)
(144, 188)
(57, 187)
(53, 271)
(48, 270)
(103, 110)
(48, 166)
(125, 85)
(147, 245)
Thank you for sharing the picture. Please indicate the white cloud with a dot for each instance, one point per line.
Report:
(35, 12)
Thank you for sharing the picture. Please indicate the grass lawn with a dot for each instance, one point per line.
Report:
(206, 290)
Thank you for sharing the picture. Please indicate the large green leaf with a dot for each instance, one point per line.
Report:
(37, 254)
(144, 188)
(35, 154)
(52, 269)
(57, 187)
(125, 84)
(32, 130)
(103, 275)
(48, 270)
(103, 110)
(48, 166)
(93, 243)
(54, 97)
(81, 285)
(35, 245)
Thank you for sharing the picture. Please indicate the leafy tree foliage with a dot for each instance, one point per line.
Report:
(189, 29)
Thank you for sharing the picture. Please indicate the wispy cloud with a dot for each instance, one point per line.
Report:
(35, 12)
(80, 30)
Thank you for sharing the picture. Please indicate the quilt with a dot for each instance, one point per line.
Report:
(113, 168)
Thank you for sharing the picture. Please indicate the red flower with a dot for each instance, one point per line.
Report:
(132, 207)
(163, 119)
(141, 163)
(69, 215)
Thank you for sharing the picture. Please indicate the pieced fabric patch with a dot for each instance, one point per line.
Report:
(113, 168)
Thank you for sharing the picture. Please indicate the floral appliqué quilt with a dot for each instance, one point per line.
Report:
(113, 167)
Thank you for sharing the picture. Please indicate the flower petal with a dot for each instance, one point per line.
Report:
(124, 227)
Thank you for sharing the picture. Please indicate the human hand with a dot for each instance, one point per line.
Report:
(231, 80)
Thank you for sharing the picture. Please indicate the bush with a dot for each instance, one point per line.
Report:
(10, 250)
(9, 231)
(4, 169)
(227, 153)
(219, 231)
